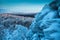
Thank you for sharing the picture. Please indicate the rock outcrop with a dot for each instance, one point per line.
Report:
(45, 26)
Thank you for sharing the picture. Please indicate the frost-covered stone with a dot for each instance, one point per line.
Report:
(47, 23)
(17, 33)
(45, 26)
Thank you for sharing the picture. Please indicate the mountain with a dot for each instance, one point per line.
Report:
(15, 19)
(45, 25)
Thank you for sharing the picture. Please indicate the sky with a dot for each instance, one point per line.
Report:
(25, 6)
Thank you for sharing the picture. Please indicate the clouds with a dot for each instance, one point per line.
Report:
(32, 6)
(23, 8)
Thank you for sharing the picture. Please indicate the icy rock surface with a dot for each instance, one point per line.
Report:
(16, 33)
(46, 25)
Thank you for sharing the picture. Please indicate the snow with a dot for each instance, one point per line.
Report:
(45, 26)
(18, 33)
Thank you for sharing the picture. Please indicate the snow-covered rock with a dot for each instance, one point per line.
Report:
(16, 33)
(46, 23)
(45, 26)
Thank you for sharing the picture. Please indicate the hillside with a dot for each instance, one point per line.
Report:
(45, 25)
